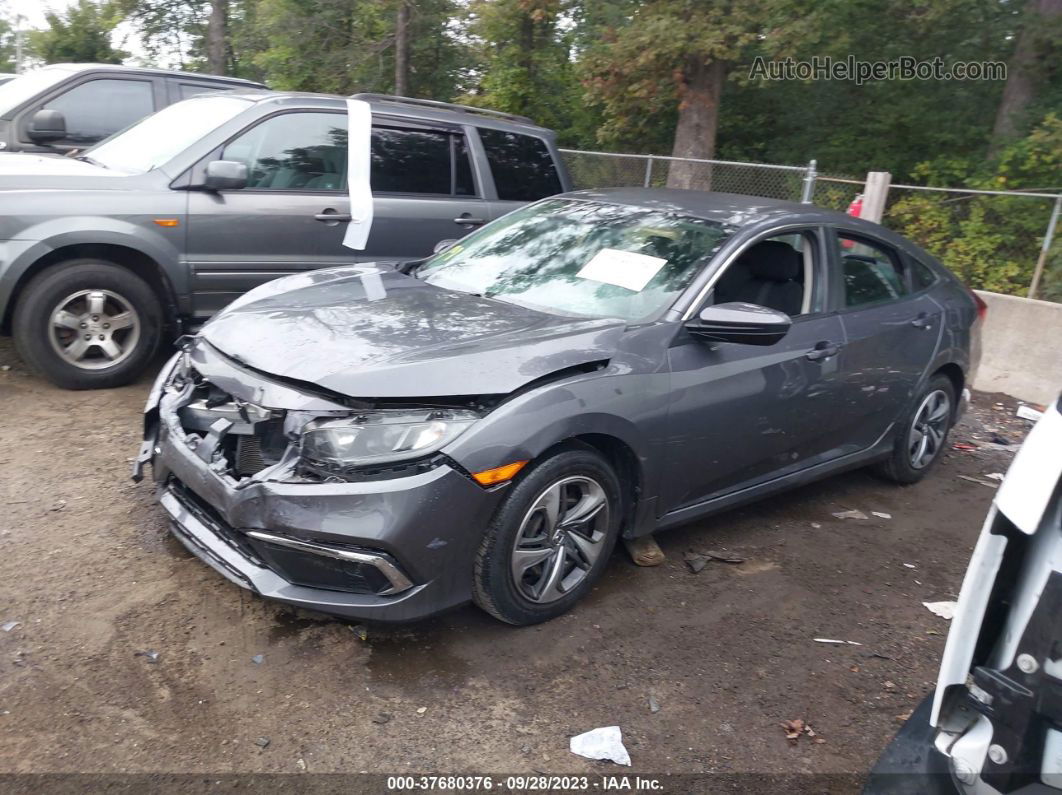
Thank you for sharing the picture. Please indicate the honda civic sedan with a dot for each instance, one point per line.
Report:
(384, 443)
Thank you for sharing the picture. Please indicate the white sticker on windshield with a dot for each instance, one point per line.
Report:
(622, 268)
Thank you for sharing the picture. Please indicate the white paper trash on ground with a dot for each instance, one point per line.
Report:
(604, 743)
(945, 610)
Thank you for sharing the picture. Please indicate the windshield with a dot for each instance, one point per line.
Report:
(580, 258)
(25, 87)
(155, 139)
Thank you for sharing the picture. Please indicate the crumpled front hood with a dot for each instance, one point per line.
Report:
(372, 332)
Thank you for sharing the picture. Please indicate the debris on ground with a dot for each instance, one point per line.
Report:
(58, 505)
(964, 446)
(904, 717)
(853, 514)
(724, 557)
(7, 626)
(421, 710)
(816, 525)
(982, 482)
(945, 610)
(841, 642)
(258, 659)
(653, 705)
(1028, 412)
(909, 566)
(995, 476)
(262, 742)
(795, 728)
(881, 514)
(150, 655)
(382, 718)
(695, 562)
(605, 743)
(360, 631)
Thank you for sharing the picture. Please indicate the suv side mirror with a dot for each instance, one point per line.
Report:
(442, 245)
(225, 175)
(46, 126)
(745, 324)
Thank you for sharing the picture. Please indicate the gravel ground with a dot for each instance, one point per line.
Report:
(94, 580)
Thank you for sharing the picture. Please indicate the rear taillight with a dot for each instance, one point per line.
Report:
(982, 307)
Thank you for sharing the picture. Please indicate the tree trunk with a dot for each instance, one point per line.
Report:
(216, 38)
(402, 49)
(699, 94)
(1020, 89)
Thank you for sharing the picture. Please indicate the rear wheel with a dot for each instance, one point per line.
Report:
(88, 324)
(550, 540)
(922, 435)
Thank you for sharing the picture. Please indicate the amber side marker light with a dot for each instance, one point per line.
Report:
(489, 477)
(167, 222)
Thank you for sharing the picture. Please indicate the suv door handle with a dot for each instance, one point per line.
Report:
(922, 321)
(468, 220)
(331, 217)
(823, 350)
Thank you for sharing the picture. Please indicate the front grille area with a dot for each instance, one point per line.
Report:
(206, 514)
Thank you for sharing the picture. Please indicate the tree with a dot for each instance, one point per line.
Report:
(676, 55)
(217, 45)
(1037, 45)
(82, 33)
(402, 49)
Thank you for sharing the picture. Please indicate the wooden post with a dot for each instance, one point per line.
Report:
(875, 194)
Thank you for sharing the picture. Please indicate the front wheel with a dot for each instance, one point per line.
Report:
(551, 538)
(921, 436)
(88, 324)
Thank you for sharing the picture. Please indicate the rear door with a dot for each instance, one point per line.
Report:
(281, 222)
(892, 328)
(424, 187)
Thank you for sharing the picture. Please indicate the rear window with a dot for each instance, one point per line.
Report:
(420, 161)
(921, 274)
(522, 166)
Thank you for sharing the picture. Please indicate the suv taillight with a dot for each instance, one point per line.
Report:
(982, 307)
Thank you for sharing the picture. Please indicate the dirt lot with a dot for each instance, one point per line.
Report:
(89, 571)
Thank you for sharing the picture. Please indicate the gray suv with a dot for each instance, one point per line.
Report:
(157, 228)
(69, 106)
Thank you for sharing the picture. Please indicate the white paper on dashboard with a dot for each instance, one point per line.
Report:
(359, 131)
(622, 268)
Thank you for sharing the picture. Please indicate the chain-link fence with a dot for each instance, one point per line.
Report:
(1001, 241)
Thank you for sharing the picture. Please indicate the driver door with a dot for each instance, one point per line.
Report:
(745, 414)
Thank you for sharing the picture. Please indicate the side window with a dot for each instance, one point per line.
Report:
(872, 272)
(411, 161)
(99, 108)
(463, 182)
(294, 151)
(186, 90)
(779, 272)
(922, 275)
(522, 166)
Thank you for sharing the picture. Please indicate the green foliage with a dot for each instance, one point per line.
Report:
(82, 33)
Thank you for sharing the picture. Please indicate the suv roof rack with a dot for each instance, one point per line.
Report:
(434, 103)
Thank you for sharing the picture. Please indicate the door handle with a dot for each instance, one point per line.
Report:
(467, 220)
(823, 350)
(922, 321)
(331, 217)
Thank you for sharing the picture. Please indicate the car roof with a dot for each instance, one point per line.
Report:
(110, 67)
(442, 112)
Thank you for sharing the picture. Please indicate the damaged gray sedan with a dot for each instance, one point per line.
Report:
(386, 443)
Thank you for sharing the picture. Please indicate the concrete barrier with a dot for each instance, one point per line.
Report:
(1021, 348)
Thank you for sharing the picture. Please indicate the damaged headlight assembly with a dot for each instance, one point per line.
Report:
(381, 437)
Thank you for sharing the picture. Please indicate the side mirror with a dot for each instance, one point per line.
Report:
(745, 324)
(225, 175)
(46, 126)
(442, 245)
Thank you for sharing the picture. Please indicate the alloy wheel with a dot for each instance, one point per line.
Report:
(561, 537)
(94, 329)
(926, 436)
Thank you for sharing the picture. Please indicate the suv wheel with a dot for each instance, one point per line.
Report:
(87, 324)
(922, 434)
(551, 538)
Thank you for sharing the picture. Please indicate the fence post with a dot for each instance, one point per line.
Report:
(809, 183)
(874, 195)
(648, 171)
(1048, 237)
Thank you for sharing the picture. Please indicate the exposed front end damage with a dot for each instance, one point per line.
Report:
(225, 446)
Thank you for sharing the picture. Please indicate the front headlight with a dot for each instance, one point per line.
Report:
(379, 437)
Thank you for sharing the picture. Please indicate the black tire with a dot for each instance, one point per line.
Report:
(899, 466)
(33, 324)
(495, 589)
